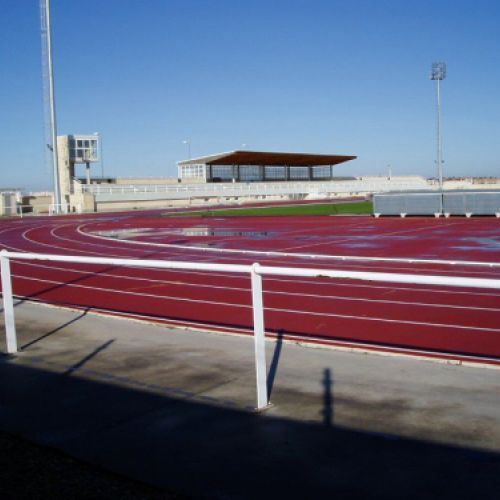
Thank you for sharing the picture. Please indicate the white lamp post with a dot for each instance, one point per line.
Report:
(438, 73)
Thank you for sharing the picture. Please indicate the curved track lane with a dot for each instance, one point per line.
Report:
(436, 320)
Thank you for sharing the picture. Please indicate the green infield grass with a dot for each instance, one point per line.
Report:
(350, 208)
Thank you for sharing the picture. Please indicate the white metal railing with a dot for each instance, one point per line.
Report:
(256, 272)
(22, 210)
(254, 188)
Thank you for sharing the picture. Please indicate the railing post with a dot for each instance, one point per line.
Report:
(8, 303)
(259, 338)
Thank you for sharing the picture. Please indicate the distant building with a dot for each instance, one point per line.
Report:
(259, 166)
(72, 150)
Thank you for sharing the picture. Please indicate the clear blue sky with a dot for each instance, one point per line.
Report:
(347, 77)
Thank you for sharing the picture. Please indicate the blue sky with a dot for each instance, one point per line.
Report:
(347, 77)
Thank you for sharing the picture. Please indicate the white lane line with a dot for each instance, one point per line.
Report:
(343, 260)
(195, 253)
(273, 279)
(283, 280)
(301, 281)
(360, 267)
(7, 229)
(126, 292)
(162, 282)
(298, 255)
(288, 311)
(71, 250)
(59, 247)
(140, 251)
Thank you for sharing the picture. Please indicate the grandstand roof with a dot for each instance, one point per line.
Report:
(268, 158)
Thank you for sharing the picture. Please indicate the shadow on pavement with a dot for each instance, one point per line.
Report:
(55, 330)
(327, 397)
(273, 367)
(94, 353)
(210, 451)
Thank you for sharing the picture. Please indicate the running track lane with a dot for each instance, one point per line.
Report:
(464, 322)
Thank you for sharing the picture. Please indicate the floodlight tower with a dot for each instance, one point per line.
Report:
(438, 73)
(50, 107)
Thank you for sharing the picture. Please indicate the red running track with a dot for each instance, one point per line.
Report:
(437, 321)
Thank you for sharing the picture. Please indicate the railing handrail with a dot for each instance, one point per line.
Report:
(417, 279)
(256, 272)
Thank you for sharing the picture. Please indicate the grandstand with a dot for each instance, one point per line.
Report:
(260, 166)
(243, 176)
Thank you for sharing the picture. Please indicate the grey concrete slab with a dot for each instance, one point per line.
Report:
(173, 407)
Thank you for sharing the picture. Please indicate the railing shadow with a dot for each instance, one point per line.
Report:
(273, 366)
(80, 279)
(55, 330)
(327, 398)
(87, 358)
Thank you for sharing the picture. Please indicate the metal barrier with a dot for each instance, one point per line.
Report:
(463, 202)
(256, 272)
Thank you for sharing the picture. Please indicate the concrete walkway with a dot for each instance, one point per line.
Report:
(173, 408)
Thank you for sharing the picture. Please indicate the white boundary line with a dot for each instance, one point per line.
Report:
(165, 282)
(272, 253)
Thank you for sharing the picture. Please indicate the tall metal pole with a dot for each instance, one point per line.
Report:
(438, 73)
(46, 32)
(102, 156)
(99, 152)
(439, 155)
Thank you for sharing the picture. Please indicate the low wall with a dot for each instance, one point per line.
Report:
(108, 206)
(8, 204)
(36, 204)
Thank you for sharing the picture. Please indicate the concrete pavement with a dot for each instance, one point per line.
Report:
(173, 408)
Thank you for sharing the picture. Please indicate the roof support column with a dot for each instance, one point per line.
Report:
(263, 172)
(209, 173)
(331, 171)
(287, 172)
(310, 172)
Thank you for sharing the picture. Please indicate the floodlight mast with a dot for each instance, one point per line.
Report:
(438, 73)
(48, 77)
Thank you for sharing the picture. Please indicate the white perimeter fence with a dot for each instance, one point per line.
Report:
(123, 192)
(40, 209)
(256, 272)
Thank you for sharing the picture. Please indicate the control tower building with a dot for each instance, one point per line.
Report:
(71, 151)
